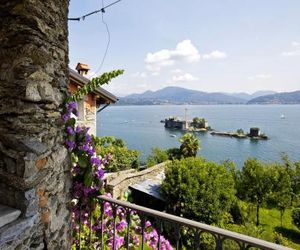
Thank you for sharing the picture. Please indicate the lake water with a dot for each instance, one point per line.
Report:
(140, 127)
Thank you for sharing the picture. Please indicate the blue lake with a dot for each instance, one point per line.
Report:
(140, 127)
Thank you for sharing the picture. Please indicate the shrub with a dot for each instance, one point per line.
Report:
(296, 217)
(121, 158)
(157, 156)
(198, 189)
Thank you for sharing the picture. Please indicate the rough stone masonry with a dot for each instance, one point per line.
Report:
(34, 165)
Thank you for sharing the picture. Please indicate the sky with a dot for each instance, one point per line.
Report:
(206, 45)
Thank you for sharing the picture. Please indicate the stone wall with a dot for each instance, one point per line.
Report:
(119, 183)
(34, 165)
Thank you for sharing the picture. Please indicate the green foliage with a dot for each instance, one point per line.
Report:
(270, 228)
(240, 131)
(282, 192)
(190, 145)
(255, 183)
(122, 158)
(94, 83)
(198, 189)
(238, 213)
(198, 122)
(174, 154)
(157, 156)
(293, 170)
(296, 217)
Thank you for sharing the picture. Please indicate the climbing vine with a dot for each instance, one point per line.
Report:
(88, 173)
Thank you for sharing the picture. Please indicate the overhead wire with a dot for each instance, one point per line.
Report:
(82, 18)
(102, 10)
(108, 42)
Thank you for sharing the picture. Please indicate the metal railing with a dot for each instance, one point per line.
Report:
(219, 235)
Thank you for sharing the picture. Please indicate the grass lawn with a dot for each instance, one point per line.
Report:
(270, 225)
(270, 221)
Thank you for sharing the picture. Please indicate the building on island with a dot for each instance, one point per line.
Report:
(254, 132)
(176, 123)
(89, 106)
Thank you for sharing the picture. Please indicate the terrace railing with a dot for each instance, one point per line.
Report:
(220, 236)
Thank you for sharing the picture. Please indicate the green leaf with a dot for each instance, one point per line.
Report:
(95, 83)
(88, 179)
(71, 122)
(83, 161)
(74, 158)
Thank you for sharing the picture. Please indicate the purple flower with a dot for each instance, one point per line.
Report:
(76, 170)
(96, 227)
(65, 117)
(99, 173)
(87, 191)
(96, 161)
(78, 129)
(88, 138)
(91, 151)
(147, 224)
(121, 225)
(70, 130)
(70, 145)
(72, 105)
(77, 190)
(84, 147)
(119, 242)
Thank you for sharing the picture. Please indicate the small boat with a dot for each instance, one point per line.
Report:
(282, 116)
(172, 135)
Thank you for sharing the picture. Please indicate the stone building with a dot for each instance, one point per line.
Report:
(254, 132)
(92, 102)
(175, 123)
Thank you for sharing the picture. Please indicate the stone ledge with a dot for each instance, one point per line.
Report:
(16, 229)
(8, 215)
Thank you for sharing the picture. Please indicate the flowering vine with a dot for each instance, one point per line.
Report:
(88, 173)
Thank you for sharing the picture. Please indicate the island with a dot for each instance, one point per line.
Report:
(254, 134)
(196, 125)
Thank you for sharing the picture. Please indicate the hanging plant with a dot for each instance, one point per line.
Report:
(87, 173)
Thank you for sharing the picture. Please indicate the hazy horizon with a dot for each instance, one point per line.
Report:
(241, 92)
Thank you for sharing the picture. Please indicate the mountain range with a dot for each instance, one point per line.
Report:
(178, 95)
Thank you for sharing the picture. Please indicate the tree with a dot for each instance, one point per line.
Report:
(296, 217)
(198, 189)
(293, 170)
(122, 157)
(157, 156)
(282, 191)
(255, 183)
(199, 122)
(190, 145)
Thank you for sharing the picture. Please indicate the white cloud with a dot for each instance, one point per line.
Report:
(184, 51)
(139, 74)
(291, 53)
(183, 78)
(295, 44)
(263, 76)
(176, 71)
(215, 55)
(260, 76)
